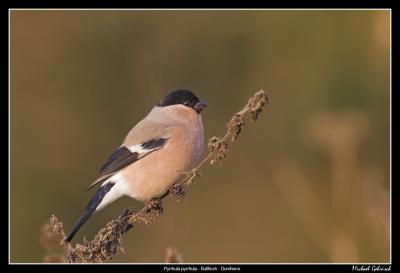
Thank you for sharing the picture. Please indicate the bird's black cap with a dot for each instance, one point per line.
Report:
(184, 97)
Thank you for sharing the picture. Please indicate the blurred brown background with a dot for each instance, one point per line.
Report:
(309, 182)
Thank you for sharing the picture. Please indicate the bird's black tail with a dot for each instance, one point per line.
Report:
(91, 207)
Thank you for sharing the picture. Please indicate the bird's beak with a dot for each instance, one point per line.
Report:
(199, 106)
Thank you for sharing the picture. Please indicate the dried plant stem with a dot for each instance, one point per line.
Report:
(172, 255)
(108, 241)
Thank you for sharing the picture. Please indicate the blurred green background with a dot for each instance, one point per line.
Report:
(308, 182)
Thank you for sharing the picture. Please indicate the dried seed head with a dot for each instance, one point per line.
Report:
(219, 149)
(50, 240)
(106, 244)
(153, 210)
(256, 104)
(56, 226)
(177, 191)
(251, 111)
(235, 126)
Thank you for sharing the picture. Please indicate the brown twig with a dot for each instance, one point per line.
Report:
(108, 242)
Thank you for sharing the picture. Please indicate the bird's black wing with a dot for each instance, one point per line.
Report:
(123, 157)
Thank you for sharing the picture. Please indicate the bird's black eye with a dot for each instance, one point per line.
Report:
(186, 103)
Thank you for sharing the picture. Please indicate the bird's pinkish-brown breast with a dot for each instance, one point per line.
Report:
(152, 175)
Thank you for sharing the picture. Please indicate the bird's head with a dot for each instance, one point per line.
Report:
(183, 97)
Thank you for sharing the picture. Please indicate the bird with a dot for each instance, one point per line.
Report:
(154, 155)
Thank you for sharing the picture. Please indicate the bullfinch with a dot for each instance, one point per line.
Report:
(154, 155)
